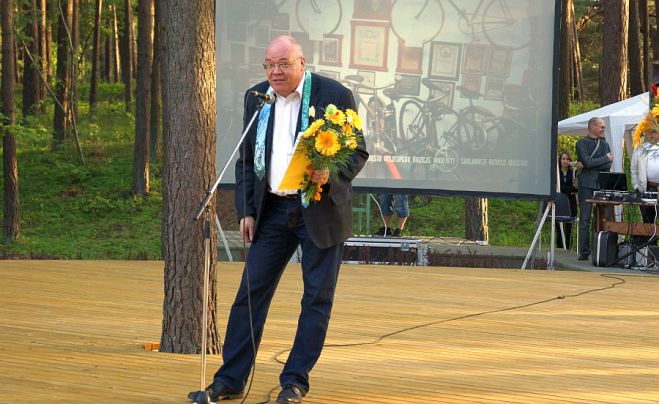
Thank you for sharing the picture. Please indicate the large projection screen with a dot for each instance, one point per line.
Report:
(457, 97)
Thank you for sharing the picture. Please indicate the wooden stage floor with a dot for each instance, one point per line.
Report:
(73, 331)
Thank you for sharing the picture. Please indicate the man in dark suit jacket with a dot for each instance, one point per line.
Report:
(595, 155)
(275, 222)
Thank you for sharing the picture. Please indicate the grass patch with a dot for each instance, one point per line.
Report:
(72, 210)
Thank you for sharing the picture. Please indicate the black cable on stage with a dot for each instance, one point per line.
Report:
(620, 281)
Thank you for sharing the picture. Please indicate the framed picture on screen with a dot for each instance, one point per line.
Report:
(445, 60)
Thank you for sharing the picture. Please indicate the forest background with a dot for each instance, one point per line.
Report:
(85, 150)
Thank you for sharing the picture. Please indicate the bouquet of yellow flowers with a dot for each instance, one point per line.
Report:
(651, 120)
(328, 143)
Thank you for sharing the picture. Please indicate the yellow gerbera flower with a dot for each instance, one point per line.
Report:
(335, 115)
(353, 119)
(313, 128)
(352, 142)
(347, 129)
(327, 143)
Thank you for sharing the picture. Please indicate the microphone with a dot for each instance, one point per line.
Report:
(267, 98)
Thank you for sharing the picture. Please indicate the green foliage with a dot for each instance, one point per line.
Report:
(74, 211)
(576, 108)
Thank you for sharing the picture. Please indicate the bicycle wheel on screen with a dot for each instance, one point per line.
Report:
(316, 14)
(412, 131)
(472, 128)
(422, 20)
(506, 23)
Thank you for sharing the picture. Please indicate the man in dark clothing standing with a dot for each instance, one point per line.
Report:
(595, 155)
(275, 221)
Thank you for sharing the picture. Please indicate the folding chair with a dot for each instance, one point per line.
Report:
(563, 215)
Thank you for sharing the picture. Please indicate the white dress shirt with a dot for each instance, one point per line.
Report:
(653, 164)
(287, 110)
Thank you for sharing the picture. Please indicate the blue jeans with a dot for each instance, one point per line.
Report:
(281, 230)
(399, 202)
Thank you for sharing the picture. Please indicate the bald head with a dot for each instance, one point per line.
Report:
(596, 127)
(284, 64)
(288, 42)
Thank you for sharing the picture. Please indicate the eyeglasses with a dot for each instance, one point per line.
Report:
(283, 66)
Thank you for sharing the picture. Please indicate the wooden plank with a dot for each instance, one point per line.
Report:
(634, 229)
(75, 330)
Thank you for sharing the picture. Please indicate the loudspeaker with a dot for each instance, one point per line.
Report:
(625, 249)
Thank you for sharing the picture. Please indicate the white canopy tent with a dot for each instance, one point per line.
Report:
(619, 118)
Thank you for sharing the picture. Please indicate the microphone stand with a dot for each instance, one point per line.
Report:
(202, 396)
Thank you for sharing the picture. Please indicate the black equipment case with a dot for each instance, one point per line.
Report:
(605, 248)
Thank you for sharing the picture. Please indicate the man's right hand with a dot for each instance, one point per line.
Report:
(247, 228)
(610, 156)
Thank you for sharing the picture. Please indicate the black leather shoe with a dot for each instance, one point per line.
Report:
(218, 392)
(290, 394)
(583, 257)
(383, 231)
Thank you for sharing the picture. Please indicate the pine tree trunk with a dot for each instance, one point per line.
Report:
(63, 84)
(133, 46)
(75, 53)
(44, 56)
(476, 219)
(30, 59)
(96, 47)
(188, 88)
(565, 65)
(9, 156)
(635, 57)
(613, 68)
(126, 51)
(577, 84)
(115, 38)
(49, 50)
(106, 66)
(655, 35)
(17, 56)
(645, 35)
(142, 99)
(155, 144)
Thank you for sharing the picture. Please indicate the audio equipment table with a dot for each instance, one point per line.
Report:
(605, 222)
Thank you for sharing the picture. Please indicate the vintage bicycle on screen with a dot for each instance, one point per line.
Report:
(379, 128)
(500, 22)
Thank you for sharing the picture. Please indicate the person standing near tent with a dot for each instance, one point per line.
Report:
(595, 155)
(568, 186)
(645, 168)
